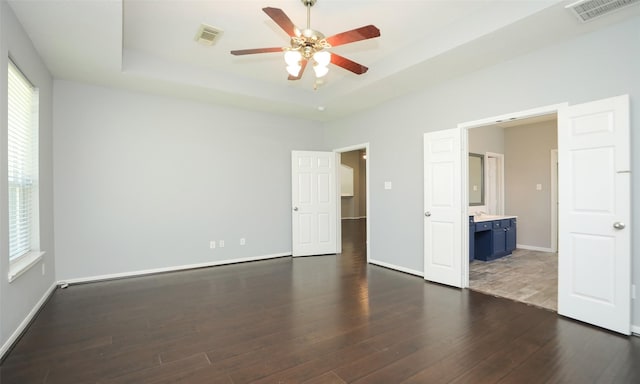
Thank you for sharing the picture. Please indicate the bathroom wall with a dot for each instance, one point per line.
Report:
(486, 139)
(527, 164)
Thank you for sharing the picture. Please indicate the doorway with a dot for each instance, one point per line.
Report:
(353, 193)
(530, 273)
(594, 241)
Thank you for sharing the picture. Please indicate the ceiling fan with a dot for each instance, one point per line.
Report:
(308, 44)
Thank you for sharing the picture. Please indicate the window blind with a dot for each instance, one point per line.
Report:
(22, 161)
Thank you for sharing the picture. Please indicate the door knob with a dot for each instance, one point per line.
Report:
(618, 225)
(427, 213)
(295, 209)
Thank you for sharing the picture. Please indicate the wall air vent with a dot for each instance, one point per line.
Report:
(587, 10)
(208, 35)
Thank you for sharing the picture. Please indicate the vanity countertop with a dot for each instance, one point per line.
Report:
(481, 218)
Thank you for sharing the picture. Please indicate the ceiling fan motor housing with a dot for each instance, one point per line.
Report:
(309, 42)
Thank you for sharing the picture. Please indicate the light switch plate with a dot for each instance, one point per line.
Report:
(387, 185)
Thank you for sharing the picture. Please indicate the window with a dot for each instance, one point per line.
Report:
(24, 242)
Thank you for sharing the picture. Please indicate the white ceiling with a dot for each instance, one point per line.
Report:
(150, 45)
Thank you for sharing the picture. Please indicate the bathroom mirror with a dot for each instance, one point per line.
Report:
(476, 179)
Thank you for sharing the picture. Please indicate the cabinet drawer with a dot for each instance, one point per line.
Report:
(484, 226)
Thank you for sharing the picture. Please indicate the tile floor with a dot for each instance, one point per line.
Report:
(527, 276)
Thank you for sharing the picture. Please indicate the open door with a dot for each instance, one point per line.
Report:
(443, 207)
(314, 195)
(594, 257)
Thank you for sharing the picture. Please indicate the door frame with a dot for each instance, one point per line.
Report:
(338, 153)
(554, 200)
(500, 170)
(464, 127)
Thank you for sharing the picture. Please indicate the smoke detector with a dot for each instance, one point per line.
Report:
(587, 10)
(208, 35)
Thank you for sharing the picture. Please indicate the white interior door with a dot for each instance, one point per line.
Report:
(594, 264)
(443, 207)
(314, 195)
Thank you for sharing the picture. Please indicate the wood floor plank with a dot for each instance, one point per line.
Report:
(327, 378)
(169, 372)
(477, 366)
(328, 319)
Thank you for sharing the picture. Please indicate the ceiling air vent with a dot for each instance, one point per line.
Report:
(208, 35)
(587, 10)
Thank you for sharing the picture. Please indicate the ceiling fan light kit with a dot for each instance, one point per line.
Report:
(310, 45)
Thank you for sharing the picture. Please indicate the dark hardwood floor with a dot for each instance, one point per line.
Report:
(313, 320)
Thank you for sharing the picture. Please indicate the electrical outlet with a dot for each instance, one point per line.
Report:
(212, 244)
(221, 242)
(243, 241)
(42, 269)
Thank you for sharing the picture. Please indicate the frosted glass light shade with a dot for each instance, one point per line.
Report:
(323, 58)
(320, 70)
(292, 58)
(293, 70)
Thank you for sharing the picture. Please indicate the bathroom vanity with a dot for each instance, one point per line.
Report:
(491, 236)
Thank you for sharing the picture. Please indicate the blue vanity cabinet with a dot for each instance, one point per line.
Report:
(499, 239)
(483, 241)
(494, 239)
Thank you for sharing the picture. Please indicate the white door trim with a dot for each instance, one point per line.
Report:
(464, 127)
(500, 171)
(541, 111)
(554, 200)
(338, 152)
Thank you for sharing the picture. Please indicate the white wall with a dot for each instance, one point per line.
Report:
(591, 67)
(19, 298)
(145, 182)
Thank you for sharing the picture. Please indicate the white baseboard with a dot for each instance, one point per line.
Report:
(533, 248)
(635, 330)
(112, 276)
(397, 268)
(354, 218)
(25, 323)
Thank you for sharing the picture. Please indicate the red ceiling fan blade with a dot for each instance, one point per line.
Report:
(347, 64)
(362, 33)
(278, 15)
(255, 50)
(303, 65)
